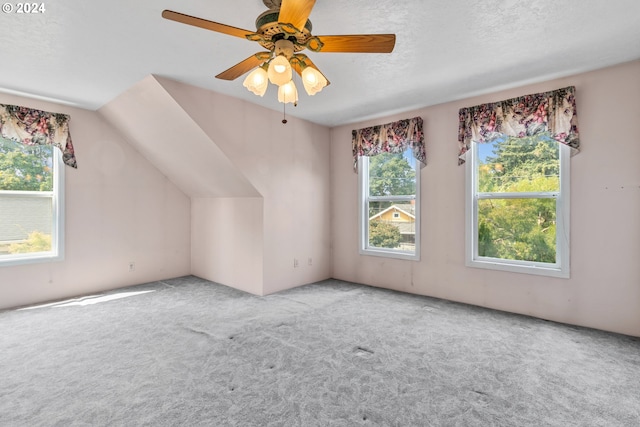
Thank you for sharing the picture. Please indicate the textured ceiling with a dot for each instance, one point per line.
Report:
(85, 53)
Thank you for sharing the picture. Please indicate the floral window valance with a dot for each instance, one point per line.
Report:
(551, 112)
(36, 127)
(393, 137)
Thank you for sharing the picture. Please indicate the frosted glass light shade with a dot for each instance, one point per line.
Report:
(279, 70)
(313, 80)
(257, 81)
(287, 93)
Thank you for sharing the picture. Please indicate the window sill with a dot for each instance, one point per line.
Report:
(524, 268)
(390, 254)
(30, 259)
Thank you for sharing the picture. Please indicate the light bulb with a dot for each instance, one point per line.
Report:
(311, 79)
(279, 70)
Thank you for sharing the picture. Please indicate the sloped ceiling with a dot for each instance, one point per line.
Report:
(155, 124)
(86, 53)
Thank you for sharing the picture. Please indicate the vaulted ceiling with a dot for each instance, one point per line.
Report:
(86, 53)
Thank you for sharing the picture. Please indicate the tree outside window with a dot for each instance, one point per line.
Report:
(519, 201)
(28, 200)
(389, 183)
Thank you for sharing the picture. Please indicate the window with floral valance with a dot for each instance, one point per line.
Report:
(35, 127)
(393, 137)
(516, 154)
(553, 113)
(388, 159)
(35, 146)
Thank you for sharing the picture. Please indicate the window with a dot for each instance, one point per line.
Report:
(390, 205)
(31, 203)
(518, 206)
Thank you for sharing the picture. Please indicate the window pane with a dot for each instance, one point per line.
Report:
(392, 225)
(25, 224)
(26, 221)
(519, 165)
(25, 167)
(517, 229)
(392, 174)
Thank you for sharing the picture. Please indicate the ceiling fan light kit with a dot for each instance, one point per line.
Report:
(285, 30)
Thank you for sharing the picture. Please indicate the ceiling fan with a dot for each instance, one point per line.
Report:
(284, 31)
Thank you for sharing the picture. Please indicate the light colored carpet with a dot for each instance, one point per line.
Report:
(193, 353)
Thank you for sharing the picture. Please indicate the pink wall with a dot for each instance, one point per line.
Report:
(226, 241)
(604, 289)
(159, 128)
(119, 208)
(289, 166)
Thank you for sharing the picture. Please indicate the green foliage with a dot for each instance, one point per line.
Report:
(522, 228)
(25, 168)
(36, 242)
(519, 159)
(518, 229)
(384, 235)
(391, 174)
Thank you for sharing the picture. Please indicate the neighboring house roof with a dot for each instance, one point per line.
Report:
(406, 208)
(406, 227)
(20, 216)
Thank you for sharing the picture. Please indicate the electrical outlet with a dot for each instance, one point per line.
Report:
(132, 266)
(310, 261)
(295, 263)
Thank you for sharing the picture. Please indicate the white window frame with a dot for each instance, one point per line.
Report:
(57, 218)
(363, 213)
(561, 268)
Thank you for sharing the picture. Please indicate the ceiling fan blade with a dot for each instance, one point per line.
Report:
(242, 67)
(295, 12)
(298, 68)
(203, 23)
(360, 43)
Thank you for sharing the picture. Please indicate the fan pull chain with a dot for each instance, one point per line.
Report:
(284, 110)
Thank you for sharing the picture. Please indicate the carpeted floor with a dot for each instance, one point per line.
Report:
(190, 352)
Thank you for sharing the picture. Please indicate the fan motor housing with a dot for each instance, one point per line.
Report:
(269, 28)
